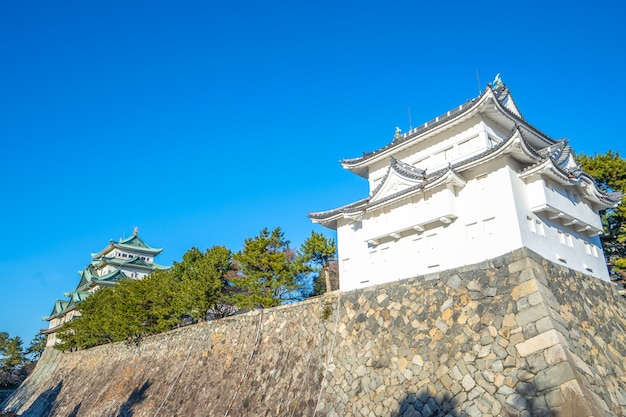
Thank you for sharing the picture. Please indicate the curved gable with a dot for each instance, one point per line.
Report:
(399, 177)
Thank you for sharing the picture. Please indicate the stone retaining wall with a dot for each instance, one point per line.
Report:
(514, 336)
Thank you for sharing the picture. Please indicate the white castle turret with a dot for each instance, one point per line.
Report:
(472, 184)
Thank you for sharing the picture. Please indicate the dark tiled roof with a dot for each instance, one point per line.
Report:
(463, 108)
(362, 205)
(556, 151)
(500, 94)
(416, 173)
(408, 170)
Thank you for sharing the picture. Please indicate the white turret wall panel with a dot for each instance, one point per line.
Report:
(543, 193)
(551, 239)
(485, 227)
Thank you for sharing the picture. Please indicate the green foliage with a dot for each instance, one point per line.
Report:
(326, 312)
(37, 346)
(204, 282)
(94, 326)
(14, 365)
(619, 265)
(210, 284)
(126, 312)
(268, 271)
(133, 309)
(12, 353)
(316, 252)
(160, 306)
(609, 171)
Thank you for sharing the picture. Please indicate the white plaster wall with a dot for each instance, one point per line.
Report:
(585, 253)
(541, 192)
(486, 227)
(487, 223)
(431, 155)
(493, 212)
(133, 273)
(350, 253)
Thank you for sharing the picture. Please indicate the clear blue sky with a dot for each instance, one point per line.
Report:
(202, 122)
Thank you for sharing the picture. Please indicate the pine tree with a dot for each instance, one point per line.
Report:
(37, 346)
(317, 251)
(268, 271)
(203, 276)
(11, 352)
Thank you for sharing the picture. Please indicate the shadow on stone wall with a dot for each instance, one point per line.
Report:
(4, 394)
(521, 401)
(526, 399)
(425, 405)
(43, 406)
(135, 397)
(74, 412)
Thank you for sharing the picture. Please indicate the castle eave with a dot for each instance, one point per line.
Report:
(565, 219)
(487, 105)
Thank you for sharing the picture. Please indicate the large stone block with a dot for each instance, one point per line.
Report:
(539, 342)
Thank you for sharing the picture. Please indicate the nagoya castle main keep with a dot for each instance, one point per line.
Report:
(130, 258)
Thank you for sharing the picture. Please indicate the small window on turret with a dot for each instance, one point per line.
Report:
(472, 231)
(345, 264)
(490, 226)
(540, 230)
